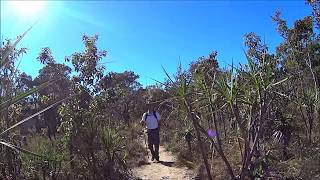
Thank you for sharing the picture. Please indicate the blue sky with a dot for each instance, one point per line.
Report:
(142, 36)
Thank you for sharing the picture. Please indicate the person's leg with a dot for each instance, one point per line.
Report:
(150, 145)
(156, 144)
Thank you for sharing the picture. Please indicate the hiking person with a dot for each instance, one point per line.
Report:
(151, 119)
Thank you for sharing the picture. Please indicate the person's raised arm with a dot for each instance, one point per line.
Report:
(142, 121)
(158, 116)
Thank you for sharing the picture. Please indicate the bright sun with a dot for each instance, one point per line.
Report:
(27, 9)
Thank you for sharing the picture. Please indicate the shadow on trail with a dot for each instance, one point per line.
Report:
(143, 163)
(166, 163)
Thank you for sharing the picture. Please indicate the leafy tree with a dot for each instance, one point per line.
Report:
(300, 58)
(60, 90)
(120, 94)
(86, 63)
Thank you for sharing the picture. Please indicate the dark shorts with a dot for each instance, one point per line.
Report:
(153, 136)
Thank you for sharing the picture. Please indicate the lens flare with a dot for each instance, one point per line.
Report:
(212, 133)
(27, 9)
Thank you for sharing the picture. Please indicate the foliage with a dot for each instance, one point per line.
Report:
(49, 165)
(10, 151)
(256, 111)
(255, 120)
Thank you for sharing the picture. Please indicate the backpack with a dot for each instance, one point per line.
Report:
(154, 114)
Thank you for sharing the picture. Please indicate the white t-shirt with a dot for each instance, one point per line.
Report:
(150, 120)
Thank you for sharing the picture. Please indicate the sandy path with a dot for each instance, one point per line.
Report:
(163, 170)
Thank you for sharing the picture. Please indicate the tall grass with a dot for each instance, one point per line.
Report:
(7, 100)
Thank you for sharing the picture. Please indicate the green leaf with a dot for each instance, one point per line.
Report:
(30, 117)
(245, 102)
(250, 62)
(17, 148)
(7, 52)
(279, 82)
(167, 74)
(157, 81)
(21, 96)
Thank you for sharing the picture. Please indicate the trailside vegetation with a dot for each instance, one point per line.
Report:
(256, 120)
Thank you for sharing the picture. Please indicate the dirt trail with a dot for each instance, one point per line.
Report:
(163, 170)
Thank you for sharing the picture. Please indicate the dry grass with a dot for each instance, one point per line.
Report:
(299, 166)
(134, 140)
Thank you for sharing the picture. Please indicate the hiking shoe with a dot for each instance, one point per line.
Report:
(152, 159)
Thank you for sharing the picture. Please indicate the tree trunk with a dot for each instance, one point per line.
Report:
(205, 160)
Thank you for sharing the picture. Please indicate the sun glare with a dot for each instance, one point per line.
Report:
(27, 9)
